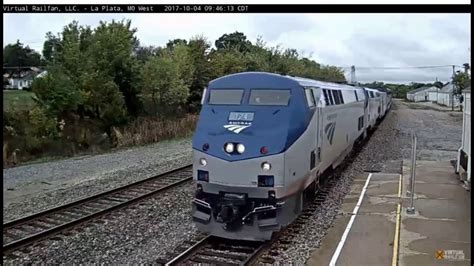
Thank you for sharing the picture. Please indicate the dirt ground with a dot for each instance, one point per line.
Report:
(438, 132)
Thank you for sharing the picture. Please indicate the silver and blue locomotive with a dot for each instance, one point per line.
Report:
(262, 143)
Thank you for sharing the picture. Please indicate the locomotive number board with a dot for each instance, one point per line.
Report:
(240, 116)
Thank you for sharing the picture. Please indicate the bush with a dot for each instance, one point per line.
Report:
(32, 134)
(41, 124)
(146, 130)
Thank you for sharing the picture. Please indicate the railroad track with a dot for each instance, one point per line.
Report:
(286, 236)
(210, 250)
(27, 230)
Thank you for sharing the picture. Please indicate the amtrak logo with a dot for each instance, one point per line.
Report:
(236, 128)
(329, 130)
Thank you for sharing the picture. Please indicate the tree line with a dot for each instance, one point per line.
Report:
(400, 90)
(461, 80)
(105, 74)
(104, 78)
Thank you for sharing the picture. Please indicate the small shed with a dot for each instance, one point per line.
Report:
(464, 153)
(446, 96)
(420, 94)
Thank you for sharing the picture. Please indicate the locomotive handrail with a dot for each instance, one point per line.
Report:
(202, 203)
(259, 209)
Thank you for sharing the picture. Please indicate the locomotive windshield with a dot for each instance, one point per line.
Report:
(269, 97)
(225, 96)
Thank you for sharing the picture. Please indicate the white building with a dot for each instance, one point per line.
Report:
(420, 94)
(433, 94)
(446, 97)
(464, 154)
(20, 78)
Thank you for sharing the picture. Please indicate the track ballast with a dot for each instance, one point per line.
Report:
(30, 229)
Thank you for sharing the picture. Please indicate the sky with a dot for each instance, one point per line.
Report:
(362, 40)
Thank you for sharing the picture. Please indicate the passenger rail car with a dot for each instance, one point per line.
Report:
(262, 143)
(375, 107)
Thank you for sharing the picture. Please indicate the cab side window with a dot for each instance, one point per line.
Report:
(340, 97)
(335, 95)
(331, 100)
(326, 97)
(310, 98)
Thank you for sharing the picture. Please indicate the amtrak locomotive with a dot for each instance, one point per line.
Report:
(263, 142)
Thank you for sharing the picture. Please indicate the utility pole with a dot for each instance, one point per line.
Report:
(437, 90)
(452, 96)
(353, 75)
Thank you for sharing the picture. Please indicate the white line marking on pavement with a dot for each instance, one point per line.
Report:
(336, 254)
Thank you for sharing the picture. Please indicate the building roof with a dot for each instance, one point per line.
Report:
(42, 74)
(418, 90)
(432, 88)
(447, 88)
(22, 72)
(424, 88)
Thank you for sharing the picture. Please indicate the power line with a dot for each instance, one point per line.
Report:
(399, 67)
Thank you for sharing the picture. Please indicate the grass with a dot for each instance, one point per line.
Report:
(29, 149)
(151, 130)
(18, 99)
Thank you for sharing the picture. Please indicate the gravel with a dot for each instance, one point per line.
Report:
(438, 133)
(32, 188)
(136, 235)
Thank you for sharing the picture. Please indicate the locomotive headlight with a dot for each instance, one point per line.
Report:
(229, 148)
(203, 162)
(240, 148)
(266, 166)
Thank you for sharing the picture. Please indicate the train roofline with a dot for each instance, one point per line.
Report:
(303, 82)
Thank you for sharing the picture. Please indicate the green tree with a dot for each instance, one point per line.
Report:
(18, 55)
(228, 62)
(144, 53)
(257, 59)
(103, 99)
(98, 65)
(461, 80)
(172, 43)
(57, 94)
(236, 40)
(181, 56)
(374, 85)
(161, 83)
(111, 53)
(51, 47)
(199, 58)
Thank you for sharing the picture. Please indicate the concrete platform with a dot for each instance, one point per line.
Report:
(442, 219)
(370, 237)
(370, 234)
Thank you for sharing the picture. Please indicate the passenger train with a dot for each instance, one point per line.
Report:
(263, 143)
